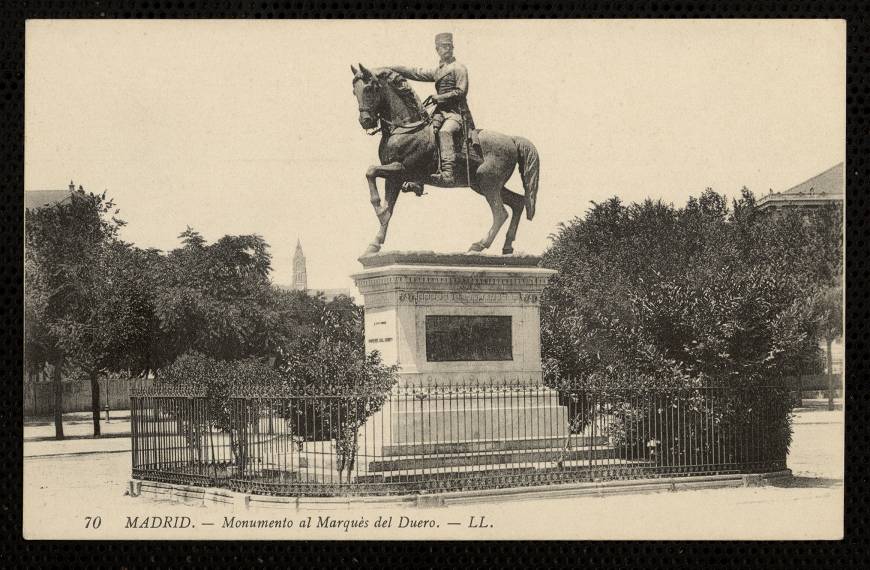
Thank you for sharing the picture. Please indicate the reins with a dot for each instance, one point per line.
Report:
(412, 127)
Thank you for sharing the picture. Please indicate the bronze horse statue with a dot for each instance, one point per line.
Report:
(408, 155)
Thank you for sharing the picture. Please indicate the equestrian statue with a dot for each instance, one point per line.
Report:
(417, 149)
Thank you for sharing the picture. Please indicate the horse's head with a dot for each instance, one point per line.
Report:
(369, 95)
(384, 94)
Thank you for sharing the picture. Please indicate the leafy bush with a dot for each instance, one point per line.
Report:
(216, 382)
(322, 383)
(653, 299)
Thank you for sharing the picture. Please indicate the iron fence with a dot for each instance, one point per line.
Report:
(439, 438)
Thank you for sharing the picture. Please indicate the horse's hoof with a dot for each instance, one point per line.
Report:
(476, 246)
(507, 250)
(372, 248)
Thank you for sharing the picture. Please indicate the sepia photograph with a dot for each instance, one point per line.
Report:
(434, 279)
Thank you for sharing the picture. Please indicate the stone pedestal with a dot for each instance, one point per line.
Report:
(457, 325)
(406, 292)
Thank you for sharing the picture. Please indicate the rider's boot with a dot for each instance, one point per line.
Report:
(448, 161)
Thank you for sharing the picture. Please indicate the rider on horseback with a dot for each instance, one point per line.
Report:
(388, 105)
(451, 112)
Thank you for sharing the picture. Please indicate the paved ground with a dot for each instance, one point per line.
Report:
(78, 429)
(78, 425)
(65, 482)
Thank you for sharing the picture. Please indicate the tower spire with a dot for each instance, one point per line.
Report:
(300, 274)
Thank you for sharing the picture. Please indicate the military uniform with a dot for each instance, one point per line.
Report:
(451, 87)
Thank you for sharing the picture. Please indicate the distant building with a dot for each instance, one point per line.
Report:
(821, 190)
(34, 199)
(300, 278)
(300, 274)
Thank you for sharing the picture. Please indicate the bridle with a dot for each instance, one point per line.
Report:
(389, 127)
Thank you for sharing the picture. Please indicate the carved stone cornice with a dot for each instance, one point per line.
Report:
(451, 298)
(460, 281)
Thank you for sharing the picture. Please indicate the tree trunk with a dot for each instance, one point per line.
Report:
(95, 401)
(830, 376)
(58, 398)
(800, 393)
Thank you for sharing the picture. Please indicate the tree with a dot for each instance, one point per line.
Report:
(720, 293)
(328, 363)
(809, 245)
(108, 320)
(322, 381)
(828, 264)
(652, 297)
(217, 382)
(82, 314)
(41, 350)
(215, 299)
(828, 309)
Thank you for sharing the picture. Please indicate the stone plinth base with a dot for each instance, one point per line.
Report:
(468, 417)
(460, 328)
(475, 428)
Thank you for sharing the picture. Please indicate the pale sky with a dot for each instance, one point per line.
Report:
(237, 127)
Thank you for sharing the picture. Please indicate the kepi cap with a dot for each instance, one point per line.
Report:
(444, 38)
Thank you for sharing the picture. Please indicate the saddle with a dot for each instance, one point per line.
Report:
(474, 149)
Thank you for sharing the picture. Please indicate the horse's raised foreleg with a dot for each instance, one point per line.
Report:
(392, 173)
(392, 170)
(516, 203)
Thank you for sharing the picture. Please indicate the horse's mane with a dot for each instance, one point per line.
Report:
(400, 85)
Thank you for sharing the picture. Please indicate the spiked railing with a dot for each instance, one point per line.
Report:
(437, 438)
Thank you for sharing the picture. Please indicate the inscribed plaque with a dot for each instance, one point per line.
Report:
(463, 338)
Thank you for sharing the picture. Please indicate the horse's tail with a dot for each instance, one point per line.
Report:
(530, 167)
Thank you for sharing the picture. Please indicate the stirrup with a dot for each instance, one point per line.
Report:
(446, 175)
(443, 178)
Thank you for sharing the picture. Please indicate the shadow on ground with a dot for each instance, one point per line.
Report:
(814, 405)
(75, 420)
(73, 437)
(802, 482)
